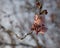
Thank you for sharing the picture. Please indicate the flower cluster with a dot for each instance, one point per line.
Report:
(39, 25)
(39, 21)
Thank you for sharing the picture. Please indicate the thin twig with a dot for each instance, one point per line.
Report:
(24, 36)
(21, 38)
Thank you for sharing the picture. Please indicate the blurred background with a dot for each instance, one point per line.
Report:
(17, 16)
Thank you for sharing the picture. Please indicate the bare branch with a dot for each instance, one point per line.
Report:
(11, 44)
